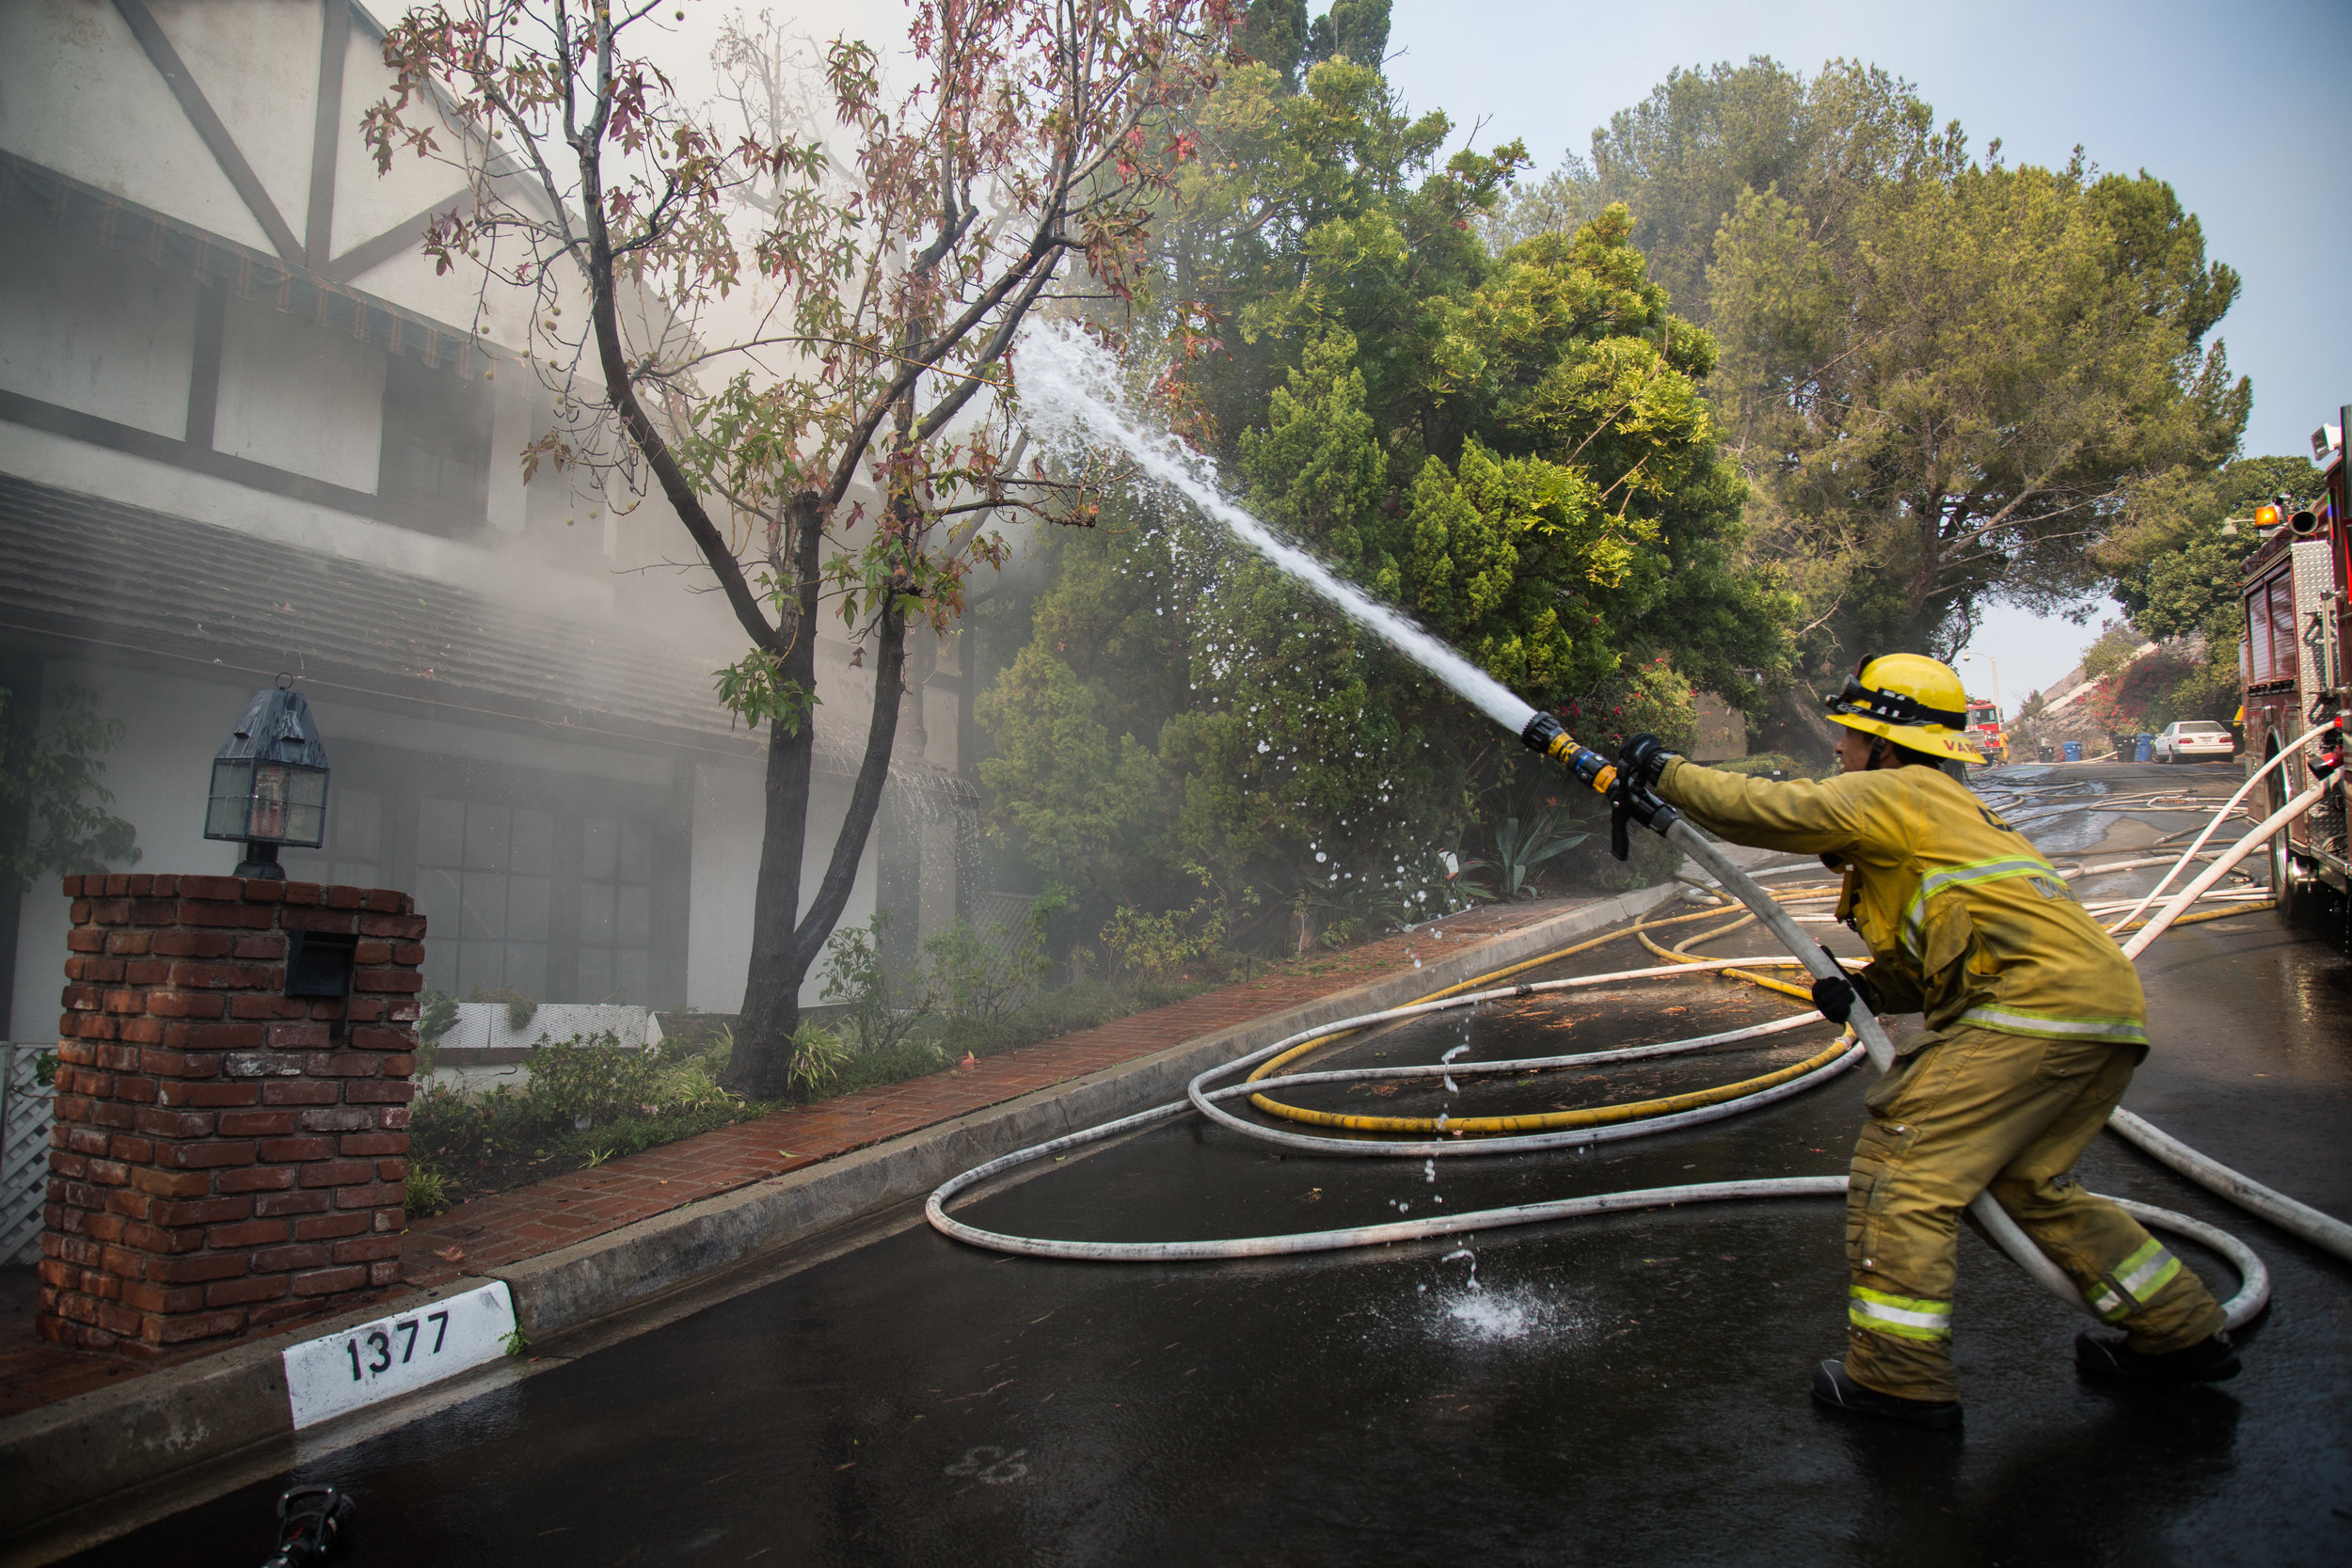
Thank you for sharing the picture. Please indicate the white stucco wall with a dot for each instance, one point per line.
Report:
(159, 777)
(728, 810)
(79, 95)
(298, 398)
(93, 329)
(257, 63)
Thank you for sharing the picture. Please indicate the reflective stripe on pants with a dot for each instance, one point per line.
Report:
(1907, 1316)
(1984, 1110)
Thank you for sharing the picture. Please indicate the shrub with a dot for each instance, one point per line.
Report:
(627, 1135)
(435, 1016)
(855, 975)
(588, 1100)
(454, 1131)
(584, 1083)
(520, 1008)
(895, 1064)
(1520, 849)
(426, 1194)
(1651, 698)
(1081, 1005)
(1761, 764)
(818, 1055)
(2166, 686)
(980, 973)
(1157, 947)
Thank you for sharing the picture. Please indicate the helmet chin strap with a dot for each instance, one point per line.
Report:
(1879, 748)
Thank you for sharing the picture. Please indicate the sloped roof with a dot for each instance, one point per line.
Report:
(123, 580)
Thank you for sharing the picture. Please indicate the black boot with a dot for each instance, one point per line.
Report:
(1834, 1391)
(2109, 1358)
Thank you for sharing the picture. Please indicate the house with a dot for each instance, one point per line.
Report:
(247, 430)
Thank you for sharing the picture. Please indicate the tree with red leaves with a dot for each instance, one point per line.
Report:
(830, 294)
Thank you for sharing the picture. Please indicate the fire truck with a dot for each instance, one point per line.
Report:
(2298, 628)
(1984, 730)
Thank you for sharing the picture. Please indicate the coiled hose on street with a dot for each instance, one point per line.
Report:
(1432, 1138)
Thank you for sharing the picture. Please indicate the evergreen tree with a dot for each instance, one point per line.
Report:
(1512, 448)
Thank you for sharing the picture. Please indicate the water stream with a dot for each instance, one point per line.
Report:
(1072, 394)
(1073, 397)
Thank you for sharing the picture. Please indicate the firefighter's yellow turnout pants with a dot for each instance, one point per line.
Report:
(1982, 1110)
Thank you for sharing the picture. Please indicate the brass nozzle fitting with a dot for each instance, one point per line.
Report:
(1544, 733)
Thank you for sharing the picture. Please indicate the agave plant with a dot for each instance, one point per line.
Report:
(1519, 850)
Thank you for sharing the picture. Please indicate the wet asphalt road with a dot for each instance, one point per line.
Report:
(1629, 1390)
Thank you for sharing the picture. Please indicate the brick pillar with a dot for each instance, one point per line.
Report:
(225, 1157)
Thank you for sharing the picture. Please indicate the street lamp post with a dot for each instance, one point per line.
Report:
(269, 782)
(2001, 724)
(1997, 681)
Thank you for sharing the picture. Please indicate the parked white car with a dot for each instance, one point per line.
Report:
(2194, 740)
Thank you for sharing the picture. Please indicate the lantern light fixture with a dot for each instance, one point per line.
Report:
(269, 781)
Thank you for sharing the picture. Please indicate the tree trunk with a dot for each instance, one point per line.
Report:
(787, 943)
(760, 1065)
(1796, 726)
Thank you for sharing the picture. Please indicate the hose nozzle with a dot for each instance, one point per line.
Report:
(1544, 734)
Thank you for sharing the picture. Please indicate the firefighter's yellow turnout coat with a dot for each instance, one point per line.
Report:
(2035, 1021)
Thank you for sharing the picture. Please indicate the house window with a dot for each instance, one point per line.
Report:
(615, 910)
(482, 884)
(436, 445)
(353, 854)
(564, 887)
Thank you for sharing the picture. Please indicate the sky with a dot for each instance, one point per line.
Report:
(2233, 104)
(2240, 106)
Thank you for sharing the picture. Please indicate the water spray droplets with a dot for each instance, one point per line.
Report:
(1075, 397)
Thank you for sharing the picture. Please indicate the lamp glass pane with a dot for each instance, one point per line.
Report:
(266, 823)
(306, 807)
(232, 792)
(288, 805)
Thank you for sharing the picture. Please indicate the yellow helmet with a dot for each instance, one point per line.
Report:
(1910, 699)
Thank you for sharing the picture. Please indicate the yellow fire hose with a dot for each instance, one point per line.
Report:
(1602, 1116)
(1590, 1115)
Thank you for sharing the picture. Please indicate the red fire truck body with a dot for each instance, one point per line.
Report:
(2290, 665)
(1984, 730)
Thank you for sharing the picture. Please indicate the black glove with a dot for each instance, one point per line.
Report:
(1643, 759)
(1837, 995)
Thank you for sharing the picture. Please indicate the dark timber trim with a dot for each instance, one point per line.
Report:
(199, 112)
(32, 193)
(57, 420)
(383, 248)
(334, 45)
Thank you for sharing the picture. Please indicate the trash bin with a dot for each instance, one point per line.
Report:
(2074, 751)
(2042, 753)
(2142, 747)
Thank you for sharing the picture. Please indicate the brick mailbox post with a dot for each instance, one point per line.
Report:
(225, 1156)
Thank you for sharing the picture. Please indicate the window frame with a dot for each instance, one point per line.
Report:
(405, 779)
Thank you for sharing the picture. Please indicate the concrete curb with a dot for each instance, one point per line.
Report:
(558, 1290)
(79, 1450)
(83, 1450)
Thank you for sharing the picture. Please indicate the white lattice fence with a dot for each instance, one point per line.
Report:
(25, 1107)
(1002, 920)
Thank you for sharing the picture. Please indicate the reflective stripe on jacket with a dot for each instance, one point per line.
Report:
(1964, 920)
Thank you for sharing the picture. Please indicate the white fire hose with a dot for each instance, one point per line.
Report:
(2254, 1287)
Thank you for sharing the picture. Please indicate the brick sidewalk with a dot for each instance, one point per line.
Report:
(505, 1228)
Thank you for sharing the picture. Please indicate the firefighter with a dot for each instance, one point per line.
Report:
(2034, 1023)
